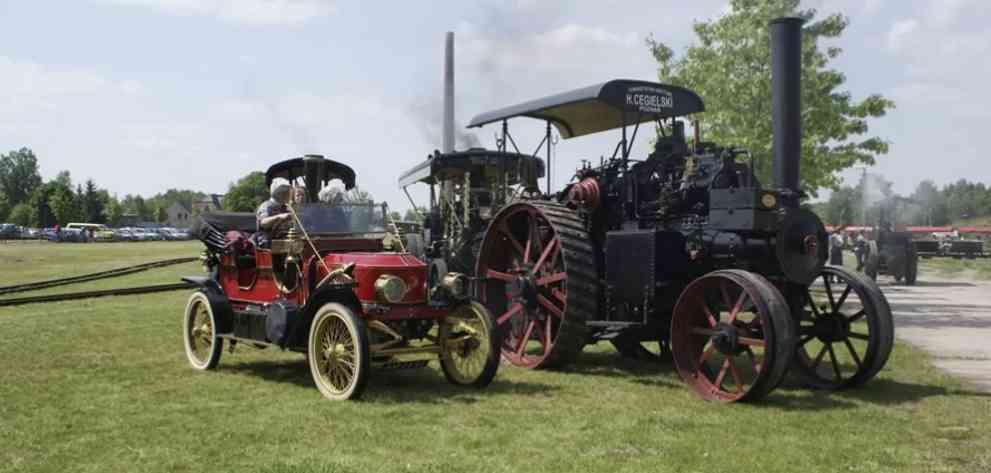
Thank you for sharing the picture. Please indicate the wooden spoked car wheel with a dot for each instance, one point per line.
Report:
(199, 330)
(536, 272)
(469, 346)
(731, 336)
(338, 352)
(845, 330)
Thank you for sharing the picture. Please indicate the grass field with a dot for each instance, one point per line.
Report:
(103, 385)
(979, 268)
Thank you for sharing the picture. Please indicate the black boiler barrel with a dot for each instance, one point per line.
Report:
(786, 87)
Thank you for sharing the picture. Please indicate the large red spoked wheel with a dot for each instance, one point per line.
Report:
(845, 329)
(731, 336)
(536, 273)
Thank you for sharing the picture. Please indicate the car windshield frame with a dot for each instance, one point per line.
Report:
(345, 219)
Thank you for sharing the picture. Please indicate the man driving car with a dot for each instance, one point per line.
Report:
(273, 214)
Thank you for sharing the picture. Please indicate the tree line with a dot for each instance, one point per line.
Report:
(27, 200)
(929, 204)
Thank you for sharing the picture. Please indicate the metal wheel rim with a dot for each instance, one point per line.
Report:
(465, 343)
(826, 361)
(536, 259)
(336, 354)
(708, 309)
(200, 333)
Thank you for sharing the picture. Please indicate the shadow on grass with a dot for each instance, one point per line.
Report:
(888, 391)
(425, 385)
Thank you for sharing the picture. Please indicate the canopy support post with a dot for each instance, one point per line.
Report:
(547, 137)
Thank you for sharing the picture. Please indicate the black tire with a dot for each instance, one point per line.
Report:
(199, 330)
(336, 327)
(454, 363)
(879, 339)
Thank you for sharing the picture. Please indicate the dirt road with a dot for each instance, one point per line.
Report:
(949, 318)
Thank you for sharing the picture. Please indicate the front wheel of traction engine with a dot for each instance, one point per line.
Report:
(731, 336)
(199, 330)
(338, 352)
(469, 345)
(846, 331)
(536, 271)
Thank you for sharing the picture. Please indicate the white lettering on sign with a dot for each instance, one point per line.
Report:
(649, 101)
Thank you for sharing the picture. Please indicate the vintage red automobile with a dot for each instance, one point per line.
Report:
(337, 286)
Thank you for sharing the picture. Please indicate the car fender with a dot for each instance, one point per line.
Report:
(219, 303)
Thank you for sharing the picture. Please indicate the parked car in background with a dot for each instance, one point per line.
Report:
(9, 231)
(29, 233)
(123, 234)
(94, 231)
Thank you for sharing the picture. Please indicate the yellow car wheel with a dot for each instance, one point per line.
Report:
(469, 345)
(199, 330)
(338, 352)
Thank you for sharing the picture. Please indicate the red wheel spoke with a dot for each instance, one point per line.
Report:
(727, 300)
(547, 304)
(493, 274)
(737, 306)
(853, 353)
(859, 336)
(818, 359)
(529, 239)
(526, 338)
(509, 236)
(735, 375)
(753, 342)
(705, 355)
(722, 373)
(552, 278)
(836, 362)
(559, 295)
(713, 321)
(513, 310)
(708, 332)
(855, 317)
(543, 255)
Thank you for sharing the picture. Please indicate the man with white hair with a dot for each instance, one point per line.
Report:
(273, 213)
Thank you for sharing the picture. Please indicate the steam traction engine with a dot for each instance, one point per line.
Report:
(684, 250)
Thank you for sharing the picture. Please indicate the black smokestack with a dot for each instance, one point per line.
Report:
(786, 109)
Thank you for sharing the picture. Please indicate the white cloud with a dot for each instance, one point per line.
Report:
(899, 32)
(249, 12)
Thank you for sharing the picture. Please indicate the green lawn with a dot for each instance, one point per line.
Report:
(978, 268)
(103, 385)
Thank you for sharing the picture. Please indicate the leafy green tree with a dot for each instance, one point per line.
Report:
(19, 175)
(246, 194)
(843, 207)
(21, 215)
(730, 68)
(62, 203)
(114, 212)
(5, 207)
(412, 215)
(93, 203)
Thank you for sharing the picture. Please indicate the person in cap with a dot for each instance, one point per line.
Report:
(273, 215)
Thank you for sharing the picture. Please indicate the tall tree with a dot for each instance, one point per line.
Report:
(21, 215)
(114, 211)
(62, 203)
(246, 194)
(18, 175)
(93, 203)
(730, 67)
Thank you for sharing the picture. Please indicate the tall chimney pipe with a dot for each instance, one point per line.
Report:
(448, 141)
(786, 106)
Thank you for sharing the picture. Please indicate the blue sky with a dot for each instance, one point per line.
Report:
(144, 95)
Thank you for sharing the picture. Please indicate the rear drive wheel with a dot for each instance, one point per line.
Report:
(537, 273)
(199, 330)
(338, 352)
(469, 345)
